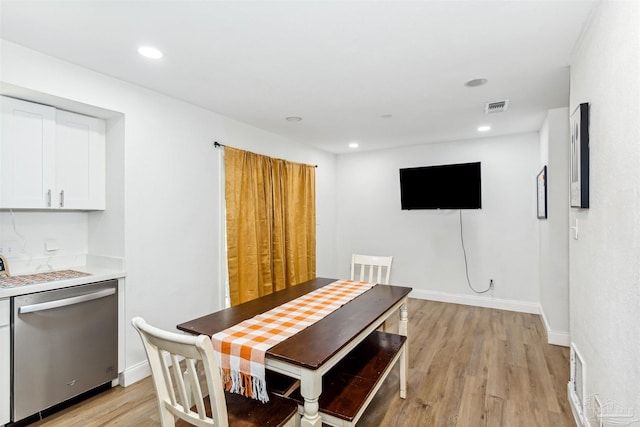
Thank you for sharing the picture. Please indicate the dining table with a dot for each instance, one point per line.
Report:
(312, 352)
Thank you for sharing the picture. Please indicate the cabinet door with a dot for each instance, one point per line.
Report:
(5, 352)
(80, 161)
(26, 154)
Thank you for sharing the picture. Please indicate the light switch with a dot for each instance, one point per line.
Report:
(575, 230)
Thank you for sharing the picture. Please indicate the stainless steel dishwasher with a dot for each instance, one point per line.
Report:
(65, 342)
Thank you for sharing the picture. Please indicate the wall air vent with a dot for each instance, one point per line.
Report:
(496, 107)
(576, 387)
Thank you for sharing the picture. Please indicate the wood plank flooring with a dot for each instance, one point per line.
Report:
(468, 366)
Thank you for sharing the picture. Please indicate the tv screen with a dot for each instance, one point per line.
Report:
(441, 187)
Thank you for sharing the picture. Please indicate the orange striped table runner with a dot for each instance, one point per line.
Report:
(241, 349)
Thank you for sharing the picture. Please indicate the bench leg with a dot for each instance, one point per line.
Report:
(404, 364)
(403, 329)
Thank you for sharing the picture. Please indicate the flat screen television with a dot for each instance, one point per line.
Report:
(456, 186)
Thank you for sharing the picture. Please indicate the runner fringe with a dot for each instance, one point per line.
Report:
(244, 384)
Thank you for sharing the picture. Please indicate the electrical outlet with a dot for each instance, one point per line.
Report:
(9, 249)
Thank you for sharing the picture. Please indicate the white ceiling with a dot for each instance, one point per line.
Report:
(340, 65)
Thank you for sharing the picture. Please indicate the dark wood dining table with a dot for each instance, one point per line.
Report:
(310, 353)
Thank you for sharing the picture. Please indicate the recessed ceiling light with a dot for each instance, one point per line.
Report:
(476, 82)
(293, 119)
(484, 128)
(353, 145)
(150, 52)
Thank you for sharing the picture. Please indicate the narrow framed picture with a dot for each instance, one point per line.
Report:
(4, 267)
(580, 157)
(542, 193)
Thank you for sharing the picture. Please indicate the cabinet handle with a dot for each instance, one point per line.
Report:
(62, 198)
(65, 302)
(49, 198)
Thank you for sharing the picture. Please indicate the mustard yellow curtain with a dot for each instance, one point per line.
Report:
(271, 224)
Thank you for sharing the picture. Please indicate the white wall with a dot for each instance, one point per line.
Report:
(501, 239)
(106, 228)
(554, 231)
(604, 273)
(170, 208)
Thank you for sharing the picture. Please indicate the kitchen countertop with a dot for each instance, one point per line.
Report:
(95, 274)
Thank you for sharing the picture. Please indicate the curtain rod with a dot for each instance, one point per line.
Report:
(216, 144)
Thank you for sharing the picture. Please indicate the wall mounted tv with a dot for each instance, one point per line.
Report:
(455, 186)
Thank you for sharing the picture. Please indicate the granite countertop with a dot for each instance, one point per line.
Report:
(38, 282)
(32, 279)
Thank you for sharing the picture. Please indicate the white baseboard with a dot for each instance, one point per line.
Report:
(140, 371)
(478, 301)
(555, 337)
(134, 374)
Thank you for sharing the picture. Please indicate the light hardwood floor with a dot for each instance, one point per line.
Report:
(468, 366)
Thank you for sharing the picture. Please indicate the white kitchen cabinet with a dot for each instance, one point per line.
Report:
(26, 154)
(5, 354)
(79, 161)
(50, 159)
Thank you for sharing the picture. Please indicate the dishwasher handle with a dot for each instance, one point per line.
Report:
(66, 301)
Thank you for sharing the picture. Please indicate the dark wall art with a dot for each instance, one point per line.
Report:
(580, 157)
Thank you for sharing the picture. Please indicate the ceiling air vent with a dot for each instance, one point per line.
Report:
(496, 107)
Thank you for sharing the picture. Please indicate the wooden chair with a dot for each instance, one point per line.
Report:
(368, 265)
(219, 409)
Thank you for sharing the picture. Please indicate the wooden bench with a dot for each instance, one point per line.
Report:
(349, 386)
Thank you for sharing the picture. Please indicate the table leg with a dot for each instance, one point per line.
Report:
(310, 389)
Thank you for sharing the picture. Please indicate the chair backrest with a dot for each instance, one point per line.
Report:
(364, 267)
(164, 352)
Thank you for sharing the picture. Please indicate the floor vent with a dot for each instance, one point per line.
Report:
(496, 107)
(576, 387)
